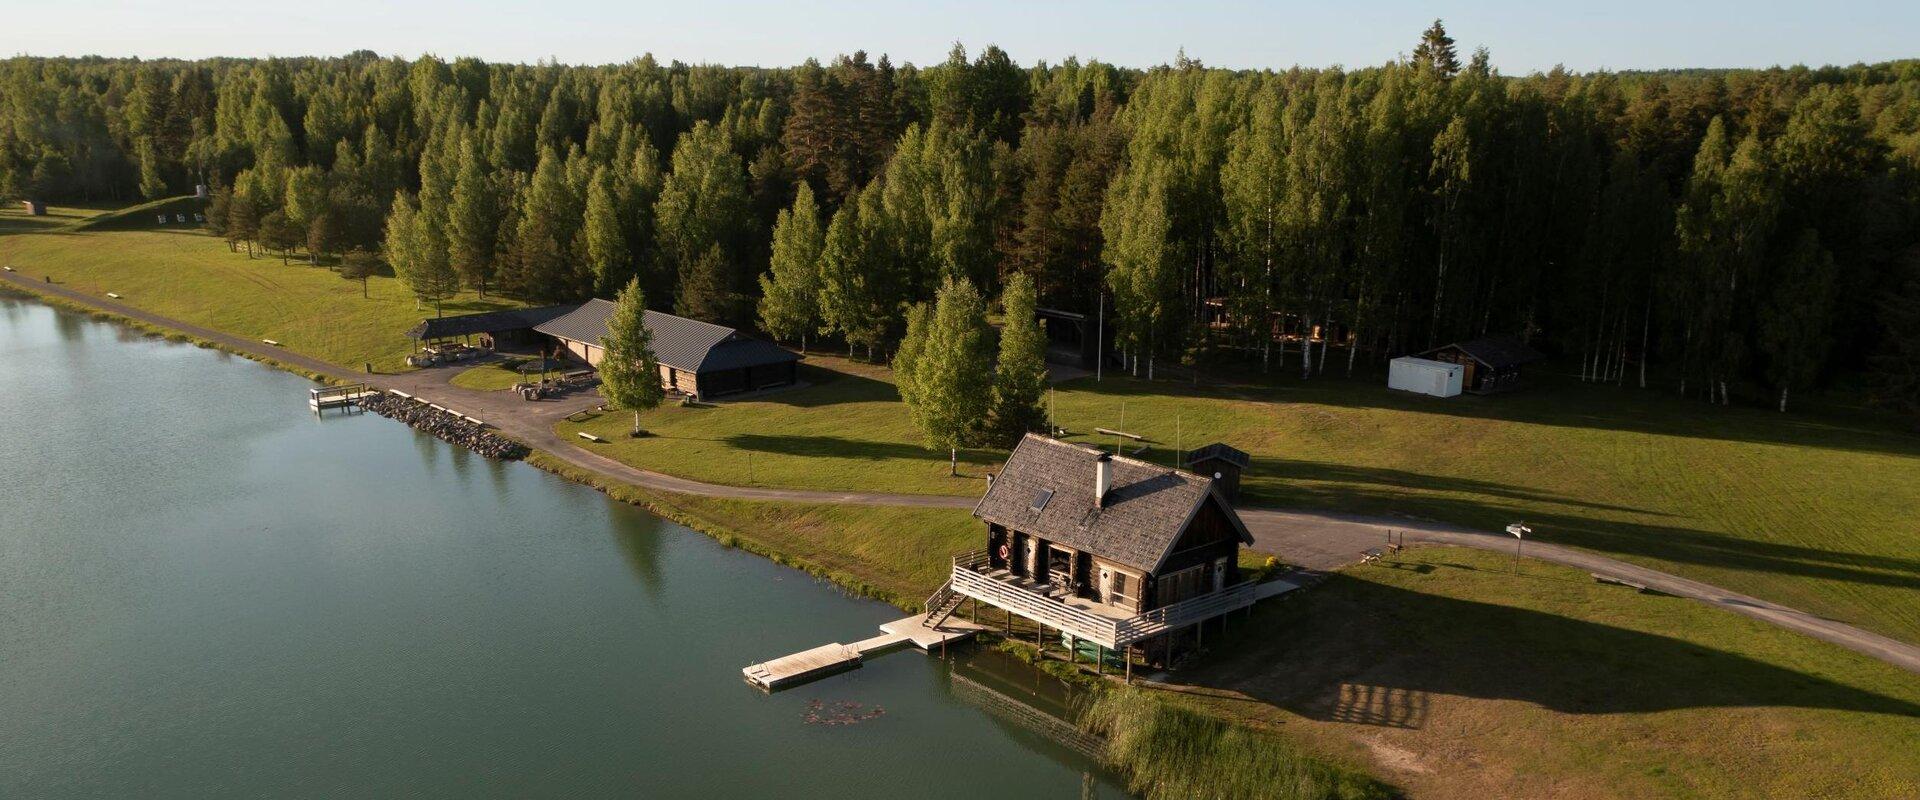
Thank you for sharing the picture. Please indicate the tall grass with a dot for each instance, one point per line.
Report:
(1171, 752)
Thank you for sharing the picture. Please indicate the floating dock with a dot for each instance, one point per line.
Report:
(828, 659)
(336, 396)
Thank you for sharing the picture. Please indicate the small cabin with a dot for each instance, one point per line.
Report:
(1120, 535)
(1224, 464)
(34, 208)
(697, 359)
(1491, 364)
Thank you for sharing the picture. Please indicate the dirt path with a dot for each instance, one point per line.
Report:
(1319, 540)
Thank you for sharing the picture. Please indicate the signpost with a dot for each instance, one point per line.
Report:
(1519, 531)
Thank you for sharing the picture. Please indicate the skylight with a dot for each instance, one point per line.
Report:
(1040, 499)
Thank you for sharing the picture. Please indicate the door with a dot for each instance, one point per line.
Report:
(1106, 585)
(1219, 573)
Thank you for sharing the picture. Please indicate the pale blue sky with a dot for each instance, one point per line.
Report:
(1524, 35)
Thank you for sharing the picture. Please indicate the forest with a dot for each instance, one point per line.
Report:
(1731, 235)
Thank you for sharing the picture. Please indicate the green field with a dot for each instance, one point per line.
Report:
(1457, 678)
(1817, 512)
(490, 377)
(191, 276)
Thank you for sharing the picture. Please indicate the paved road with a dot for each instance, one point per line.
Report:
(1319, 540)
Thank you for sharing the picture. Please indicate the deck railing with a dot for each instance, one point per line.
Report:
(970, 579)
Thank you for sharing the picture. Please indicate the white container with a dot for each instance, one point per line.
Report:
(1419, 375)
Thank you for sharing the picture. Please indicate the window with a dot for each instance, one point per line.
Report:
(1119, 590)
(1040, 499)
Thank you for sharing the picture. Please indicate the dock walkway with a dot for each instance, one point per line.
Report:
(828, 659)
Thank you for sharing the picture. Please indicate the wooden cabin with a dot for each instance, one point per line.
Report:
(1492, 363)
(1107, 534)
(1224, 464)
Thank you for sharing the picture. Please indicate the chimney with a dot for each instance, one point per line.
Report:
(1102, 479)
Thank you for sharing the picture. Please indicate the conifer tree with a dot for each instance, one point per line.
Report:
(1436, 52)
(1794, 333)
(1020, 372)
(607, 253)
(473, 219)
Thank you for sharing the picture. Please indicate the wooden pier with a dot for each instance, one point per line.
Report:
(336, 396)
(828, 659)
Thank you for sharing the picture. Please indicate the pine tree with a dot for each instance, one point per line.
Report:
(629, 374)
(607, 253)
(243, 221)
(1020, 373)
(1436, 53)
(152, 185)
(279, 233)
(706, 289)
(359, 265)
(703, 201)
(790, 291)
(942, 366)
(324, 235)
(473, 219)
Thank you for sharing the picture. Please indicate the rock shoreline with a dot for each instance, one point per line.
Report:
(450, 428)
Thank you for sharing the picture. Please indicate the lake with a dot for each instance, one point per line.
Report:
(206, 591)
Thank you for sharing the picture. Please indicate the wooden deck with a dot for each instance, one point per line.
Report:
(336, 396)
(828, 659)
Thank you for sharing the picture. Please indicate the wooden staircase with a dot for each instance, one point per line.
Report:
(942, 604)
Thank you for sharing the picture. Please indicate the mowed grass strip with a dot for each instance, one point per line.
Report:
(191, 276)
(1457, 677)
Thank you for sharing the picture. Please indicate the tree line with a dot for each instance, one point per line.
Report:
(1716, 232)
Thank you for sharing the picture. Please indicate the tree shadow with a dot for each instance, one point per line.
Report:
(1670, 543)
(842, 447)
(1366, 653)
(1278, 470)
(1551, 400)
(829, 387)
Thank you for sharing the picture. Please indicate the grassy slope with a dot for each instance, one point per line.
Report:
(14, 218)
(488, 377)
(191, 276)
(1460, 679)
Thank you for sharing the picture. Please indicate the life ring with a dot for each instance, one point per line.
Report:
(1004, 551)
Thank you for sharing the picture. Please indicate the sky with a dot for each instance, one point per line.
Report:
(1522, 35)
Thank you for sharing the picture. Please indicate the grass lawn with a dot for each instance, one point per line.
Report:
(846, 429)
(490, 377)
(894, 554)
(191, 276)
(1457, 678)
(1818, 511)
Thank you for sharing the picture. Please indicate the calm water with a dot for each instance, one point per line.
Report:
(204, 591)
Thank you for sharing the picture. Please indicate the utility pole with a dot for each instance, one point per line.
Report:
(1099, 339)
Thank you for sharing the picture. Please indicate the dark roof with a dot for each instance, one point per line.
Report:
(1495, 351)
(1146, 508)
(485, 322)
(1220, 451)
(678, 342)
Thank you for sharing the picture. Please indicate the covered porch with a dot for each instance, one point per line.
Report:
(1109, 626)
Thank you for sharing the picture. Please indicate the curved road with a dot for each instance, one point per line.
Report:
(1319, 540)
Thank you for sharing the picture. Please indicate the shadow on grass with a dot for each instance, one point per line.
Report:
(1275, 471)
(1367, 653)
(842, 447)
(827, 387)
(1551, 400)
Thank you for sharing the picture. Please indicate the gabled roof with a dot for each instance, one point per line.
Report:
(1146, 508)
(678, 342)
(1497, 352)
(1221, 451)
(485, 322)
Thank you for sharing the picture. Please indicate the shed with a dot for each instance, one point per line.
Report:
(696, 358)
(1423, 376)
(1492, 363)
(34, 207)
(1224, 463)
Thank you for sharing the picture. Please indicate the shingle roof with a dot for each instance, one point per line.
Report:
(1145, 511)
(1498, 352)
(1221, 451)
(678, 342)
(485, 322)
